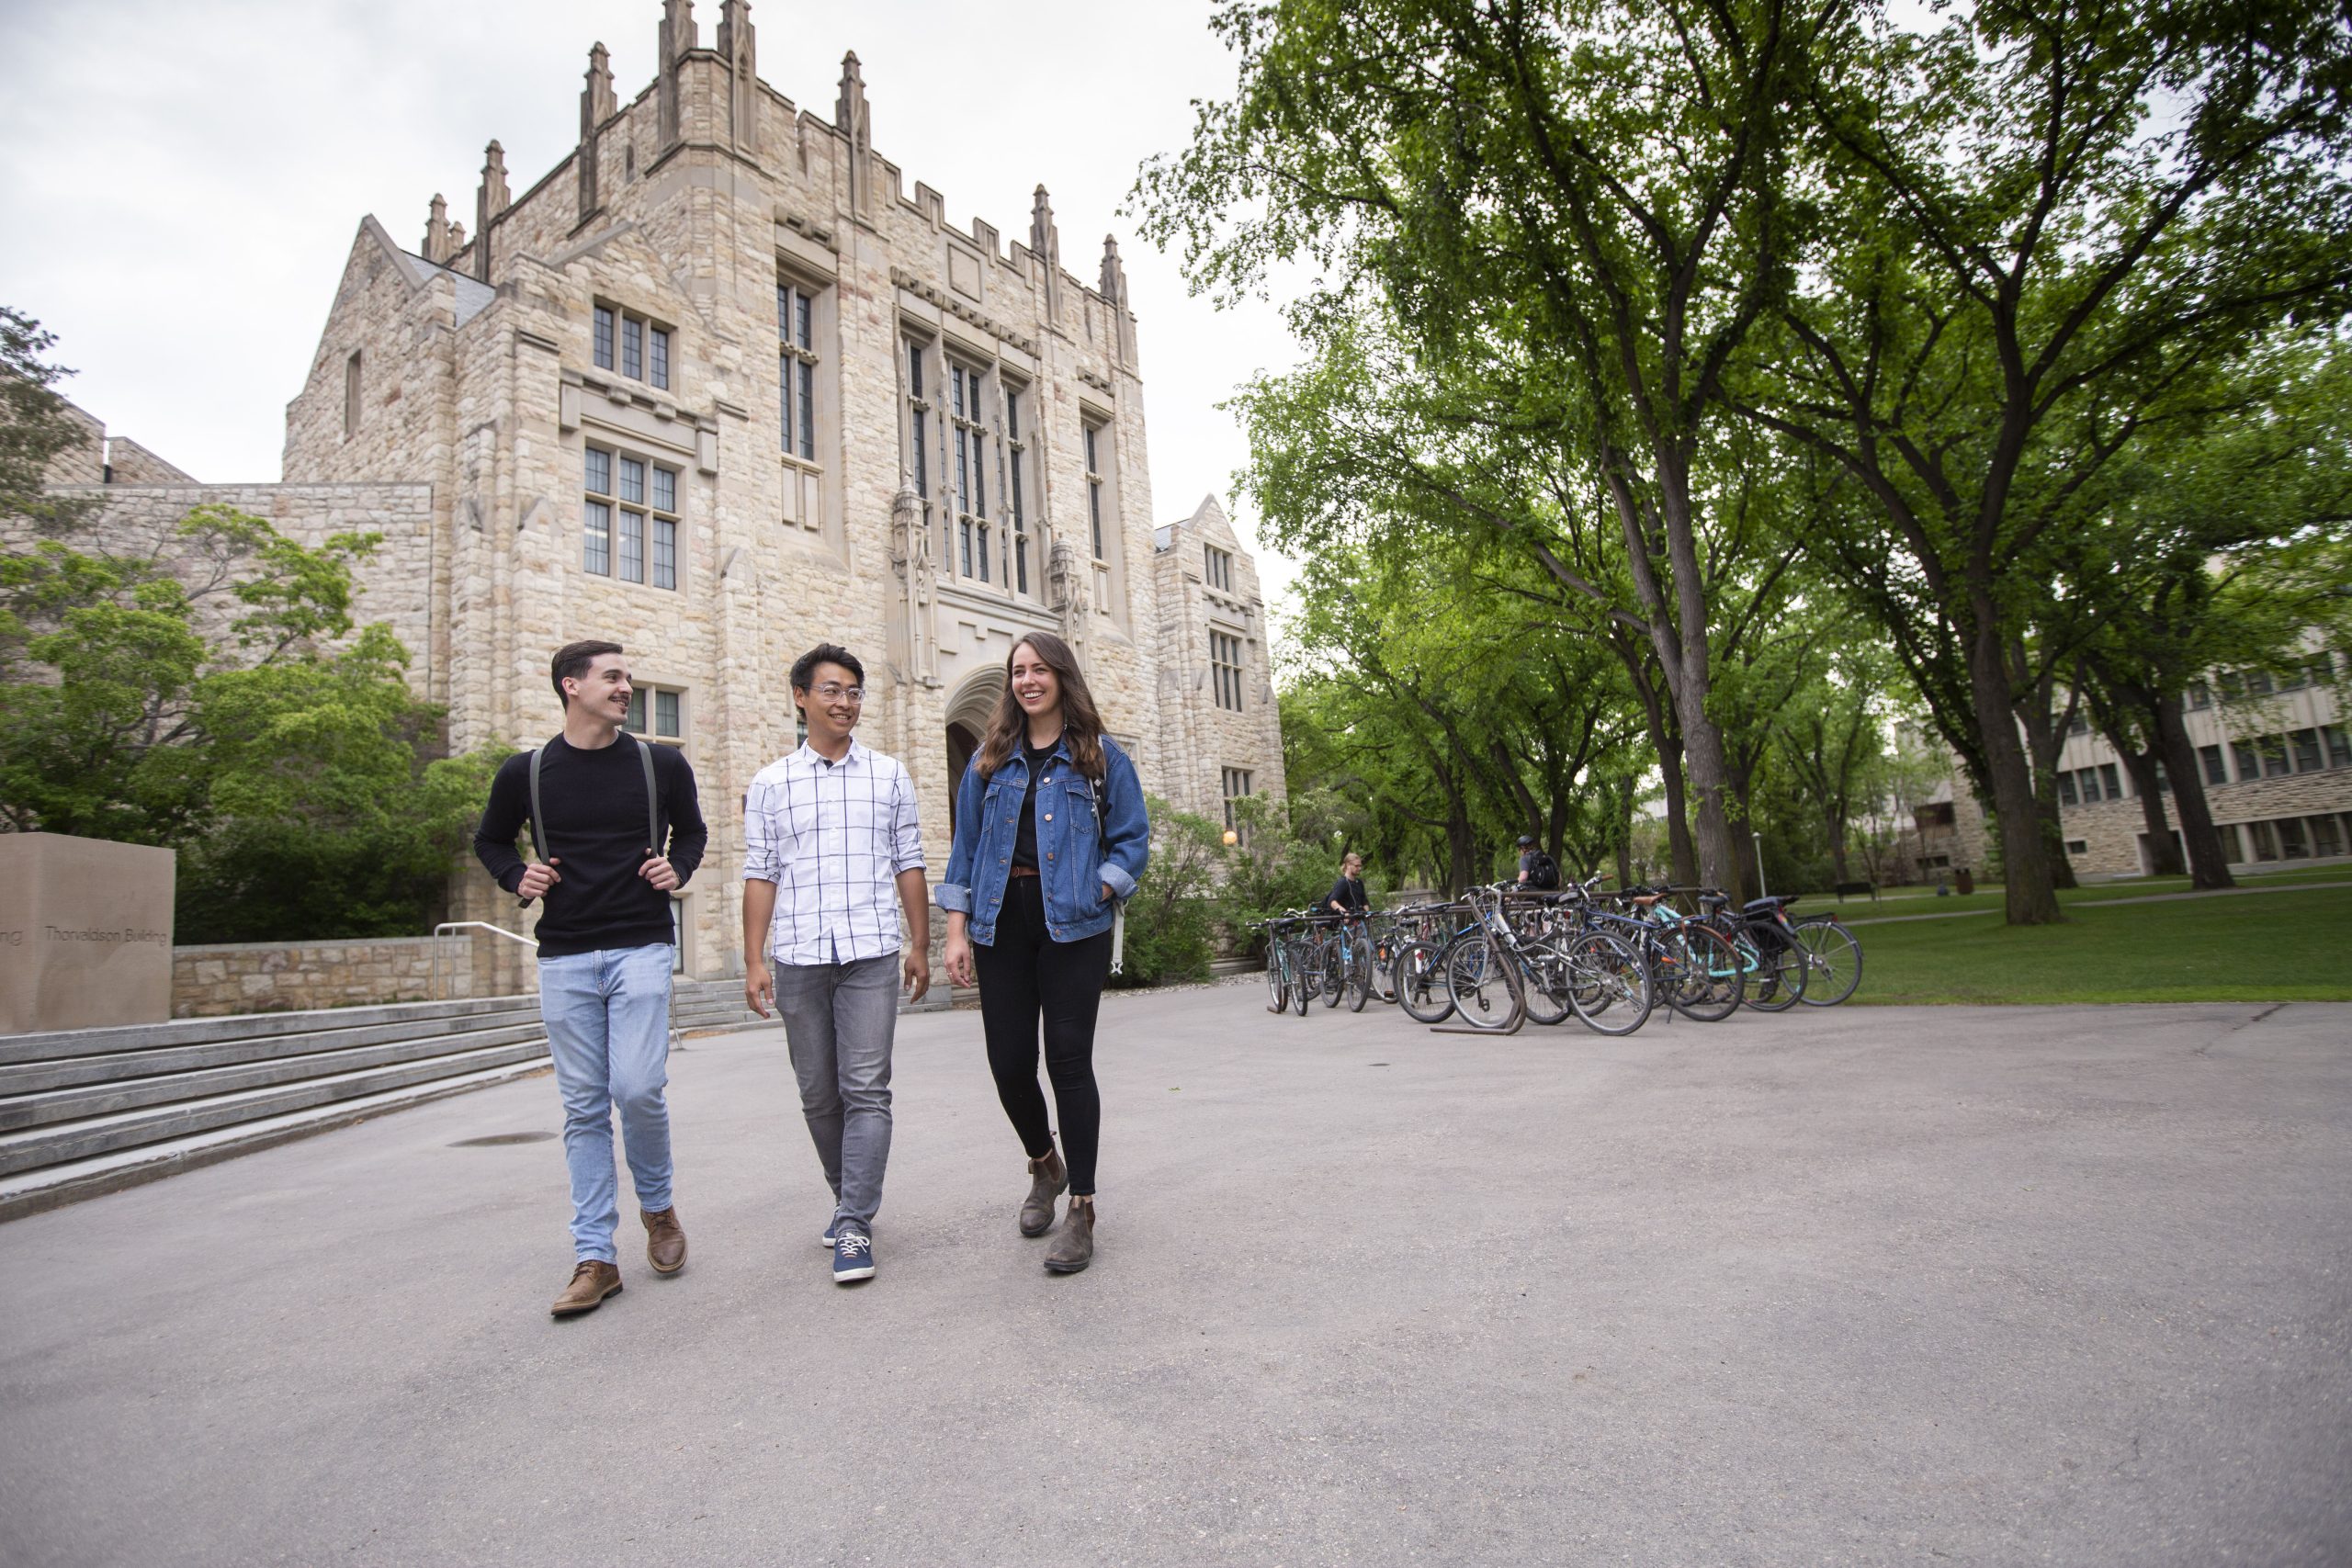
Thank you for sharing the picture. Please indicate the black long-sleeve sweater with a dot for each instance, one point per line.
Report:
(594, 834)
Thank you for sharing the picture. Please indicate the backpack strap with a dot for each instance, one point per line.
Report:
(653, 798)
(539, 838)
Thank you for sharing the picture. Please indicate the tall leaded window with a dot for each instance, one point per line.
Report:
(351, 393)
(1095, 486)
(1016, 507)
(968, 438)
(920, 434)
(796, 369)
(1237, 789)
(633, 348)
(605, 321)
(630, 519)
(1224, 668)
(1217, 568)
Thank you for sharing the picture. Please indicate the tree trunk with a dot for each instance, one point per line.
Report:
(1625, 792)
(2028, 897)
(1678, 813)
(2209, 863)
(2045, 736)
(2164, 854)
(1835, 822)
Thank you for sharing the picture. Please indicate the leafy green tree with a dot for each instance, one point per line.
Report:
(1580, 206)
(1171, 919)
(2047, 228)
(207, 690)
(35, 428)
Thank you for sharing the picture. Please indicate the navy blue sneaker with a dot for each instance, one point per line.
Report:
(826, 1240)
(853, 1253)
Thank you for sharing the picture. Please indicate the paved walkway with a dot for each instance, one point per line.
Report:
(2099, 903)
(1870, 1286)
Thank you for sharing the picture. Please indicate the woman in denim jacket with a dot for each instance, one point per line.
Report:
(1050, 834)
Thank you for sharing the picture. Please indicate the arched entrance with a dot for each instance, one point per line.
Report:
(968, 720)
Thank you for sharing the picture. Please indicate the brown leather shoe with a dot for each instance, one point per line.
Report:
(665, 1241)
(592, 1281)
(1073, 1246)
(1047, 1176)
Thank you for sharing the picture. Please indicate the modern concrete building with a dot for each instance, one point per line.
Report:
(719, 387)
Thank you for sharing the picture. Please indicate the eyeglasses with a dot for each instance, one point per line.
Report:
(830, 692)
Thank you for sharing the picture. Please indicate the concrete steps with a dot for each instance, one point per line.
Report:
(90, 1111)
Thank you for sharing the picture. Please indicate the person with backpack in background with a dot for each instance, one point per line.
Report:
(618, 828)
(1538, 871)
(1346, 896)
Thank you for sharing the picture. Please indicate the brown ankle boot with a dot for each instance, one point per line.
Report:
(665, 1241)
(592, 1281)
(1073, 1246)
(1047, 1176)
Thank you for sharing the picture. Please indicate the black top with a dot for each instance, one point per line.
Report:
(1024, 839)
(1347, 892)
(596, 832)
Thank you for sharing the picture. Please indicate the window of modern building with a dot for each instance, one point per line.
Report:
(1224, 668)
(2293, 842)
(2320, 668)
(2258, 683)
(2199, 696)
(2080, 724)
(2266, 841)
(2339, 749)
(1236, 788)
(2078, 846)
(2327, 836)
(2112, 780)
(795, 336)
(2307, 752)
(1016, 486)
(630, 519)
(351, 393)
(665, 708)
(966, 405)
(1217, 568)
(2276, 763)
(2066, 796)
(2249, 761)
(2217, 770)
(625, 340)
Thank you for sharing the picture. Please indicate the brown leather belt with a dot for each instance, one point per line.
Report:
(1024, 871)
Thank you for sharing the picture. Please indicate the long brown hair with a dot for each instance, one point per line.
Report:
(1081, 724)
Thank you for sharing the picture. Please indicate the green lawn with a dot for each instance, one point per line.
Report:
(1923, 900)
(2287, 947)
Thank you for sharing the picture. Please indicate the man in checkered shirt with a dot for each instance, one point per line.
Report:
(829, 836)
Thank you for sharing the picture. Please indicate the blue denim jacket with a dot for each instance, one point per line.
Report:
(1076, 858)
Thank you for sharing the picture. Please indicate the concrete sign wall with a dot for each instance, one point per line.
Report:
(85, 933)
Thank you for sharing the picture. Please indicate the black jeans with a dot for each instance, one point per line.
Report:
(1025, 972)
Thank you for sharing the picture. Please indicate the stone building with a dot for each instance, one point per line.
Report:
(719, 387)
(2277, 774)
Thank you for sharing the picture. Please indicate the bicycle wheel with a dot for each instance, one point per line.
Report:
(1484, 984)
(1608, 985)
(1277, 979)
(1331, 970)
(1707, 981)
(1421, 985)
(1833, 961)
(1359, 951)
(1302, 990)
(1543, 975)
(1779, 982)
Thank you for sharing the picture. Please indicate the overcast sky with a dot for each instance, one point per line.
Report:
(184, 177)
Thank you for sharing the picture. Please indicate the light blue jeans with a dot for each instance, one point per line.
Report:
(607, 1016)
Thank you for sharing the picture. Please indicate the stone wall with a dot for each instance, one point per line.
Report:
(216, 980)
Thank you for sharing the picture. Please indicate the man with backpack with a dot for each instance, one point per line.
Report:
(1538, 871)
(618, 829)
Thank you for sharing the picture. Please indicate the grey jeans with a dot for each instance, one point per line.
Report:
(840, 1020)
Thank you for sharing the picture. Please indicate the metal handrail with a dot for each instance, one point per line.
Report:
(446, 927)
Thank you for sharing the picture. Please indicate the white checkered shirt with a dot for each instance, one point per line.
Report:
(833, 838)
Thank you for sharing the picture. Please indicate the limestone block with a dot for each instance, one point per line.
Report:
(86, 932)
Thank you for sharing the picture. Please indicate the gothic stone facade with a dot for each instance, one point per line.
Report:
(718, 388)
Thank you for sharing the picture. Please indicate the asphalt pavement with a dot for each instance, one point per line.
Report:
(2067, 1285)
